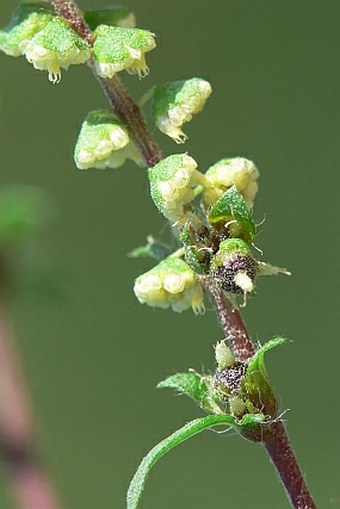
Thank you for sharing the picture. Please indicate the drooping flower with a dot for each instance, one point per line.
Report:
(28, 19)
(236, 171)
(175, 103)
(116, 49)
(56, 46)
(171, 283)
(172, 181)
(103, 142)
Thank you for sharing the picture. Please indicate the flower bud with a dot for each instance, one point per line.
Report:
(175, 103)
(228, 172)
(223, 355)
(27, 20)
(56, 46)
(103, 142)
(233, 267)
(170, 283)
(115, 15)
(171, 183)
(116, 49)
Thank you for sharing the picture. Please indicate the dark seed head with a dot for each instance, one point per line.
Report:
(232, 266)
(230, 378)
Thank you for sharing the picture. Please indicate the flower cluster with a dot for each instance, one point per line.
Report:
(103, 142)
(172, 182)
(170, 283)
(50, 44)
(116, 49)
(175, 103)
(225, 173)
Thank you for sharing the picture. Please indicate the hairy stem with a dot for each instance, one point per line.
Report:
(119, 98)
(30, 484)
(282, 455)
(231, 322)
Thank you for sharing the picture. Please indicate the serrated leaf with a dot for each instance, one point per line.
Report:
(189, 430)
(232, 212)
(193, 385)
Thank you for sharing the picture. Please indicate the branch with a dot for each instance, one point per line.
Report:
(30, 485)
(276, 441)
(119, 98)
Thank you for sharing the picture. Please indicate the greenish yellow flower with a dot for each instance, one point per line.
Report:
(56, 46)
(171, 283)
(116, 49)
(175, 103)
(228, 172)
(103, 142)
(172, 181)
(27, 20)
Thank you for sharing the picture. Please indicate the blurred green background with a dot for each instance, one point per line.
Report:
(94, 356)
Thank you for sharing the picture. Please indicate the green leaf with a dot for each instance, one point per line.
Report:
(192, 428)
(231, 211)
(195, 386)
(256, 363)
(256, 383)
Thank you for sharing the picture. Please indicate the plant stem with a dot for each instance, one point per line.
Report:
(282, 456)
(30, 484)
(231, 322)
(119, 98)
(276, 441)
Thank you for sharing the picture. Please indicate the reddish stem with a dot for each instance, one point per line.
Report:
(282, 455)
(231, 322)
(30, 485)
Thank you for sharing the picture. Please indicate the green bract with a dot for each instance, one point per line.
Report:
(27, 20)
(248, 421)
(103, 142)
(194, 385)
(231, 212)
(175, 103)
(170, 283)
(56, 46)
(116, 49)
(115, 15)
(228, 172)
(171, 183)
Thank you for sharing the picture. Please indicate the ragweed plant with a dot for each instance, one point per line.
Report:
(210, 211)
